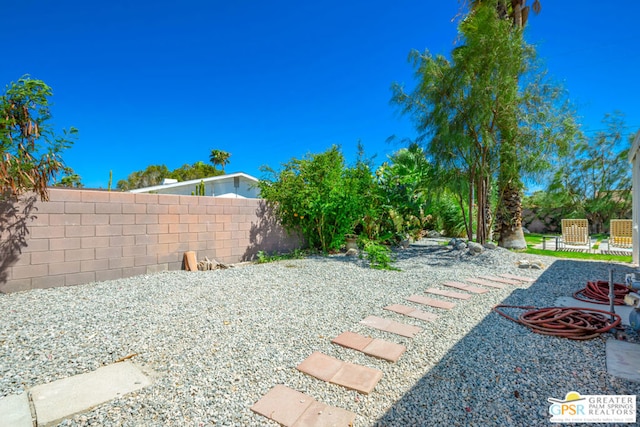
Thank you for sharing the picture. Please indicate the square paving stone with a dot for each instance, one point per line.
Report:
(283, 405)
(450, 294)
(320, 415)
(431, 302)
(500, 280)
(394, 327)
(486, 283)
(357, 377)
(412, 312)
(465, 287)
(352, 340)
(385, 350)
(321, 366)
(520, 278)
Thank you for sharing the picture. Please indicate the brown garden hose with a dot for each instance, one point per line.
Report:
(569, 322)
(598, 293)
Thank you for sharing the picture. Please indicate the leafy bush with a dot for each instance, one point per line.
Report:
(379, 256)
(318, 197)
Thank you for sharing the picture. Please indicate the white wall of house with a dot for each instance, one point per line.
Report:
(634, 158)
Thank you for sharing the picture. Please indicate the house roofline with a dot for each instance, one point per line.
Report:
(195, 181)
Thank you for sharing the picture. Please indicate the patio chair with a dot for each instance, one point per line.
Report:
(620, 233)
(575, 232)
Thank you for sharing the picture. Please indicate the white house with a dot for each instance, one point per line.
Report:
(239, 185)
(634, 158)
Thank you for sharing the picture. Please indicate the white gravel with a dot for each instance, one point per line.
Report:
(219, 340)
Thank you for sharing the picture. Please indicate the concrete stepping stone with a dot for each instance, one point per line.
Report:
(63, 398)
(623, 359)
(486, 283)
(450, 294)
(294, 409)
(520, 278)
(431, 302)
(465, 287)
(332, 370)
(500, 280)
(15, 411)
(392, 326)
(370, 346)
(412, 312)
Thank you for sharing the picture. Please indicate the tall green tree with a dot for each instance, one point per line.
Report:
(152, 175)
(30, 149)
(593, 180)
(219, 158)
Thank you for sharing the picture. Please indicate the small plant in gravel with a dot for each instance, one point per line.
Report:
(379, 256)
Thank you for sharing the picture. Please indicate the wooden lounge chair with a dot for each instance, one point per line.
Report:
(620, 233)
(575, 232)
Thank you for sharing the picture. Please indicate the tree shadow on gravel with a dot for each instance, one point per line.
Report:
(500, 373)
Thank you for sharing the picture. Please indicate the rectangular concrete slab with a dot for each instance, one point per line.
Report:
(501, 280)
(465, 287)
(372, 347)
(80, 393)
(349, 375)
(15, 411)
(412, 312)
(431, 302)
(283, 405)
(519, 278)
(623, 359)
(321, 415)
(486, 283)
(450, 294)
(623, 310)
(392, 326)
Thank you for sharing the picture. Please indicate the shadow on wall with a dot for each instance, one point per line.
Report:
(488, 364)
(14, 217)
(268, 235)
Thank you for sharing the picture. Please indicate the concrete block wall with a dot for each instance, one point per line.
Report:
(82, 236)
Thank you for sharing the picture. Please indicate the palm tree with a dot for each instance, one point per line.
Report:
(509, 212)
(219, 157)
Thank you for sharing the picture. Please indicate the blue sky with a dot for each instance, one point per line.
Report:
(164, 82)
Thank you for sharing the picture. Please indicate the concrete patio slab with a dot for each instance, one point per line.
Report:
(15, 411)
(69, 396)
(623, 359)
(465, 287)
(485, 283)
(501, 280)
(623, 310)
(431, 302)
(519, 278)
(391, 326)
(412, 312)
(372, 347)
(450, 294)
(349, 375)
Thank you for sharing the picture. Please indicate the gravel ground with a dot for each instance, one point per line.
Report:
(218, 341)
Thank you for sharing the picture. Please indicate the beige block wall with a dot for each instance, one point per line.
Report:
(82, 236)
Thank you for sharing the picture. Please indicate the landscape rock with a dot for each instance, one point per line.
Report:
(490, 245)
(433, 234)
(475, 248)
(351, 252)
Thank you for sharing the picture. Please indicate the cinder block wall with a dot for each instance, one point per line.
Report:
(82, 236)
